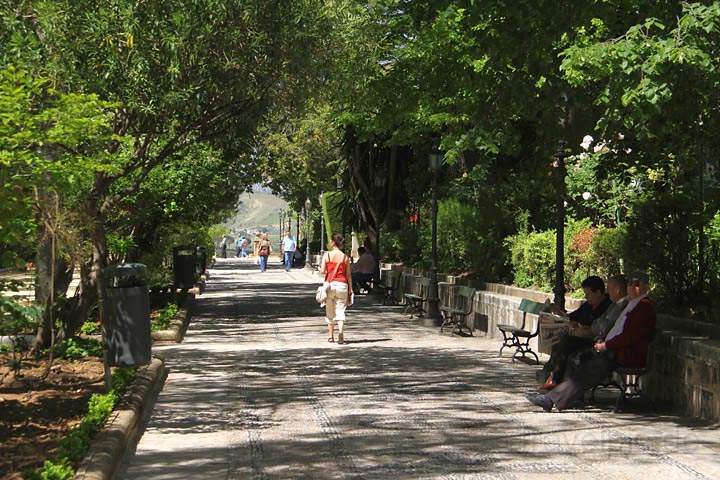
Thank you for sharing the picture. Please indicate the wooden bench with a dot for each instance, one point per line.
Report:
(455, 314)
(414, 302)
(518, 337)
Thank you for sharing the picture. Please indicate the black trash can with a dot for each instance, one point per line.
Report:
(184, 264)
(127, 315)
(201, 253)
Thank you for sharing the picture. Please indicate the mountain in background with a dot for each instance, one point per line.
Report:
(258, 210)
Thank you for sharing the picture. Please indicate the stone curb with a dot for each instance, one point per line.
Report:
(121, 430)
(178, 325)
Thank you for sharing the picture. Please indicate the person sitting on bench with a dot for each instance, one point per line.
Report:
(363, 270)
(580, 334)
(626, 345)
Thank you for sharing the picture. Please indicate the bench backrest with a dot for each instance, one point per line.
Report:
(466, 297)
(392, 278)
(530, 306)
(424, 284)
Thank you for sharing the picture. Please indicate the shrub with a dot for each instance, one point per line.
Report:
(16, 320)
(605, 254)
(663, 238)
(77, 348)
(400, 245)
(90, 327)
(77, 443)
(164, 317)
(532, 255)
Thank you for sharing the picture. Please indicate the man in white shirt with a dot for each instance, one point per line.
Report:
(288, 249)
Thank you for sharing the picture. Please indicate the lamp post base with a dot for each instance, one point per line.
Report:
(433, 312)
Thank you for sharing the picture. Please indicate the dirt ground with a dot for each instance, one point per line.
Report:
(36, 414)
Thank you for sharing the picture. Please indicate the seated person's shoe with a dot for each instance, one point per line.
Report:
(549, 383)
(541, 401)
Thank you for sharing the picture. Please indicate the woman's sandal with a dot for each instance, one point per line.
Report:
(331, 339)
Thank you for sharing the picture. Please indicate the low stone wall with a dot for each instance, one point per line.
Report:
(684, 358)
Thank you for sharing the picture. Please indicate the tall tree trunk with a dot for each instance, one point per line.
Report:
(366, 204)
(51, 281)
(79, 308)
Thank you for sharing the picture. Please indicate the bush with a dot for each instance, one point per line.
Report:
(588, 251)
(605, 254)
(469, 240)
(400, 246)
(77, 443)
(77, 348)
(532, 255)
(164, 317)
(90, 327)
(663, 238)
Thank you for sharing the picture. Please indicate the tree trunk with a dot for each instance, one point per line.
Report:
(79, 308)
(44, 282)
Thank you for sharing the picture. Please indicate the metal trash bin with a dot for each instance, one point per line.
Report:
(184, 264)
(202, 257)
(127, 315)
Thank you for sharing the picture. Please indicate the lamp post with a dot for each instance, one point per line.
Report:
(435, 159)
(560, 172)
(322, 225)
(308, 262)
(280, 232)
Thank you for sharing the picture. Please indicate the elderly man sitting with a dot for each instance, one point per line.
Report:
(626, 344)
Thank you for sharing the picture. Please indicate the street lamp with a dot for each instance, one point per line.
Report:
(322, 224)
(435, 159)
(560, 173)
(308, 263)
(280, 232)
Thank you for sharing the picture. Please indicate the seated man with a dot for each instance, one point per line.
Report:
(626, 344)
(580, 334)
(363, 270)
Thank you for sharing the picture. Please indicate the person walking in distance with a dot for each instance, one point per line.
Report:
(288, 246)
(336, 267)
(264, 251)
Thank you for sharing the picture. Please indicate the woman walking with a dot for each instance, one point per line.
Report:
(264, 251)
(336, 267)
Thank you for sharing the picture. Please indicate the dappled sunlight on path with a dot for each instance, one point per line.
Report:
(256, 391)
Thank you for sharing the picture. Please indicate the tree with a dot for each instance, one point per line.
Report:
(181, 72)
(657, 89)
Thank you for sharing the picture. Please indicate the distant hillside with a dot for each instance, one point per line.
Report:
(257, 211)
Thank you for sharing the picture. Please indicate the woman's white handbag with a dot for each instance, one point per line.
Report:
(321, 294)
(322, 291)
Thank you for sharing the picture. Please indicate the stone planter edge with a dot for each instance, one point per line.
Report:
(178, 325)
(122, 428)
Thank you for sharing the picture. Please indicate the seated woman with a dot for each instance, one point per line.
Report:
(580, 335)
(626, 344)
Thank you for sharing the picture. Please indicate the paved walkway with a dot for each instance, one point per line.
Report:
(256, 392)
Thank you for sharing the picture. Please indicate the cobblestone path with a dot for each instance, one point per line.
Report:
(256, 392)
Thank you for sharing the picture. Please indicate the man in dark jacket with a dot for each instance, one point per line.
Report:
(626, 344)
(580, 335)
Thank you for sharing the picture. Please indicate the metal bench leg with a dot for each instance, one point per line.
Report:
(506, 343)
(446, 320)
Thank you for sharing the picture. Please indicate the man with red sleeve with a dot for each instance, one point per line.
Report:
(626, 344)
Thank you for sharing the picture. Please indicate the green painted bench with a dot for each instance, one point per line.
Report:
(518, 337)
(454, 315)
